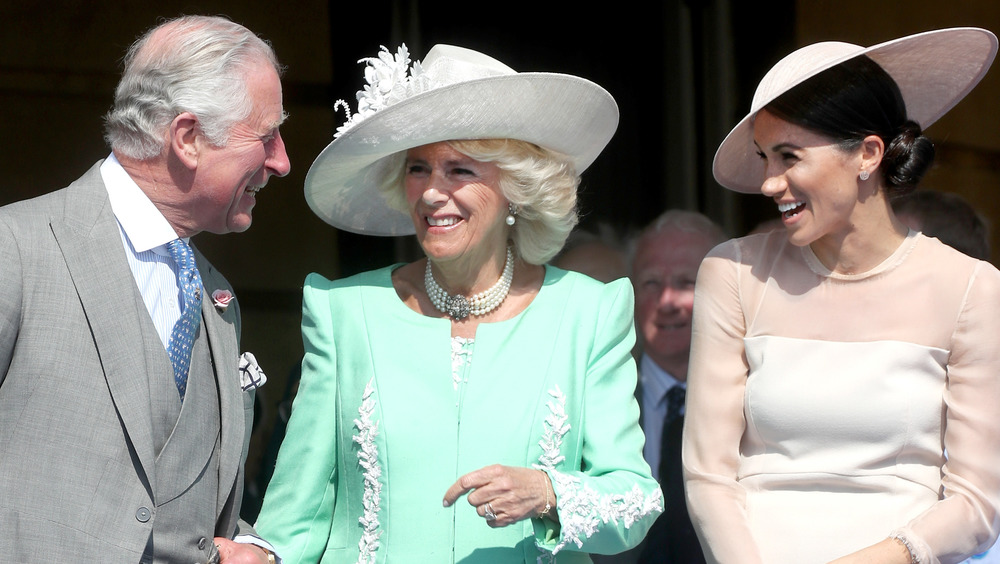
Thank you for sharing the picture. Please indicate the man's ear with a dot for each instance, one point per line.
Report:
(185, 140)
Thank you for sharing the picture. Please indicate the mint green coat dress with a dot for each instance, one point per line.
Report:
(391, 411)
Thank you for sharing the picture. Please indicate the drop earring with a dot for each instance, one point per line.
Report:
(511, 212)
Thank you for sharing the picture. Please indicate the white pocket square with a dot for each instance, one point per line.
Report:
(251, 376)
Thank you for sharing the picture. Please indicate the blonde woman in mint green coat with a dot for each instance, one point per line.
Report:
(476, 405)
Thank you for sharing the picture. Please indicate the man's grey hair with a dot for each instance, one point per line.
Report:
(195, 64)
(683, 221)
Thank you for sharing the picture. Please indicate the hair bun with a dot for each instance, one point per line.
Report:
(907, 158)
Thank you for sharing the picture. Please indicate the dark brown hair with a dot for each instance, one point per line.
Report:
(853, 100)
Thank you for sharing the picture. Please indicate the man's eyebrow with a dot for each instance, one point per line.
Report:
(278, 122)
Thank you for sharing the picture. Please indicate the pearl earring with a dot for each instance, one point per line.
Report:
(863, 175)
(511, 212)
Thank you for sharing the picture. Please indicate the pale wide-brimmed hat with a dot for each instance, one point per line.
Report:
(934, 71)
(454, 93)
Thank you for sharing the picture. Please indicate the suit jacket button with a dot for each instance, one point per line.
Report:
(201, 543)
(142, 515)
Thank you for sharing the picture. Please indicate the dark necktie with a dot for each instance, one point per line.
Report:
(675, 403)
(182, 336)
(670, 437)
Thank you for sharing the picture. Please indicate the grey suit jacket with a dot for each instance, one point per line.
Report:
(77, 465)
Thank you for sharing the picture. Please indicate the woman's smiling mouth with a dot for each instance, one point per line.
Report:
(790, 209)
(442, 222)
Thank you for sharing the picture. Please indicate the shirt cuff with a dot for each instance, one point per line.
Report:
(256, 541)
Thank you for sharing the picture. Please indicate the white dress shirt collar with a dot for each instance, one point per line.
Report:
(141, 221)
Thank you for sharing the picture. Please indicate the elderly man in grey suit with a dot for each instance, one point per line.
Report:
(124, 420)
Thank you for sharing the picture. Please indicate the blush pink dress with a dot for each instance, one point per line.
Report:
(821, 406)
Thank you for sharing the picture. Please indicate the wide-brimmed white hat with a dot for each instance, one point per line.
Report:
(455, 93)
(934, 71)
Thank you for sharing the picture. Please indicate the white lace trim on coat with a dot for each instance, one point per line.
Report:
(582, 510)
(368, 460)
(556, 427)
(461, 355)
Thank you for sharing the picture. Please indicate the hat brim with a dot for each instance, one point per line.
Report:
(934, 71)
(562, 113)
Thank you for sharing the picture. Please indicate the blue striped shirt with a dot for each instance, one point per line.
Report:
(145, 234)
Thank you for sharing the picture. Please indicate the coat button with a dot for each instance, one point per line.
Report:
(201, 543)
(142, 515)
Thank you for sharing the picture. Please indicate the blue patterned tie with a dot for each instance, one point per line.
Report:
(182, 337)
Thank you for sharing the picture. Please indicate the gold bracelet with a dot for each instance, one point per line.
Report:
(548, 506)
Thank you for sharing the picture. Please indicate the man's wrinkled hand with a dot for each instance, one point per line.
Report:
(239, 553)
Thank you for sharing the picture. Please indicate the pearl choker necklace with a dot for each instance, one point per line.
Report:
(459, 307)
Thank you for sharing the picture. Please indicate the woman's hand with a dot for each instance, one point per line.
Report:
(505, 494)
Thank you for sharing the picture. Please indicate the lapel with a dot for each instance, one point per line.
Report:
(91, 245)
(222, 331)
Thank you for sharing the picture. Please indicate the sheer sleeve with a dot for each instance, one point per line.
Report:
(965, 521)
(715, 422)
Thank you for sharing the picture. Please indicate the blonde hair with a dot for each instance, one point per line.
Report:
(540, 183)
